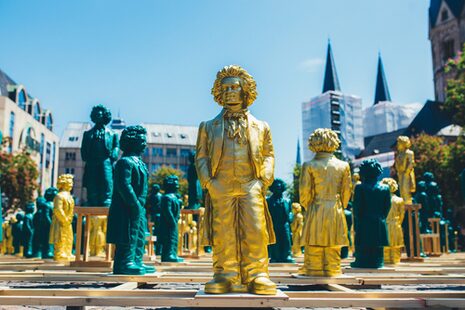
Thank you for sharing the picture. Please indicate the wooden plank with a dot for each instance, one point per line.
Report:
(78, 238)
(338, 288)
(125, 286)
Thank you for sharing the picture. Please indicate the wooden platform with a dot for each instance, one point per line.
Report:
(437, 282)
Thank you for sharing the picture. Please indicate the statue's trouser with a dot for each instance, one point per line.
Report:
(131, 253)
(404, 188)
(64, 244)
(392, 254)
(100, 186)
(281, 250)
(240, 236)
(170, 240)
(322, 261)
(156, 232)
(28, 246)
(98, 228)
(369, 256)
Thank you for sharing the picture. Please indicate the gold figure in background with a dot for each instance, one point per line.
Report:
(98, 231)
(235, 163)
(325, 189)
(404, 164)
(296, 228)
(7, 244)
(61, 231)
(394, 224)
(355, 181)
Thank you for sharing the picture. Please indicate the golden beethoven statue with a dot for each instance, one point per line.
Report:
(61, 230)
(235, 163)
(325, 190)
(404, 164)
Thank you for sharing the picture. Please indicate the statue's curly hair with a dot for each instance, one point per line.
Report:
(170, 180)
(129, 136)
(275, 184)
(370, 169)
(323, 140)
(391, 183)
(404, 141)
(106, 113)
(428, 176)
(50, 193)
(65, 179)
(248, 84)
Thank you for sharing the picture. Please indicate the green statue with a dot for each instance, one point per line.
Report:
(43, 222)
(281, 214)
(371, 205)
(434, 197)
(421, 197)
(99, 150)
(28, 230)
(127, 222)
(17, 232)
(348, 215)
(170, 213)
(194, 188)
(155, 210)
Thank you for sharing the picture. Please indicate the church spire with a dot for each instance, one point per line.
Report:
(298, 159)
(331, 82)
(382, 90)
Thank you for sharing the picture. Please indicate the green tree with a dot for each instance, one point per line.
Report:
(159, 175)
(455, 90)
(18, 178)
(293, 189)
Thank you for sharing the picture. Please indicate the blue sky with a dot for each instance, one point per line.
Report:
(155, 61)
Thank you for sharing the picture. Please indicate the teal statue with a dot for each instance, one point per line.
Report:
(434, 197)
(281, 214)
(28, 230)
(43, 222)
(170, 213)
(348, 215)
(17, 232)
(421, 197)
(99, 150)
(194, 188)
(371, 205)
(155, 210)
(127, 222)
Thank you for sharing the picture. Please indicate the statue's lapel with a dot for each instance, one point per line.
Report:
(254, 135)
(218, 132)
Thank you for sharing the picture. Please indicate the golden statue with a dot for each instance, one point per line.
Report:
(404, 163)
(7, 244)
(325, 190)
(235, 163)
(355, 181)
(98, 231)
(61, 231)
(296, 228)
(394, 224)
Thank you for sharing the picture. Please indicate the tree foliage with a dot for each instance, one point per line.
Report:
(159, 175)
(455, 90)
(18, 178)
(293, 189)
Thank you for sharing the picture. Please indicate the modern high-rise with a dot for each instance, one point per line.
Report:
(26, 125)
(336, 110)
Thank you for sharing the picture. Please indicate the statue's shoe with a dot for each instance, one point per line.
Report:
(130, 269)
(262, 286)
(289, 259)
(311, 273)
(333, 273)
(148, 268)
(218, 286)
(172, 259)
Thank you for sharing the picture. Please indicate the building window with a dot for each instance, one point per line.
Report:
(169, 135)
(48, 155)
(185, 153)
(448, 50)
(444, 15)
(157, 151)
(37, 112)
(70, 156)
(12, 131)
(41, 150)
(155, 167)
(184, 168)
(49, 122)
(22, 99)
(146, 152)
(73, 139)
(69, 170)
(183, 136)
(54, 149)
(170, 152)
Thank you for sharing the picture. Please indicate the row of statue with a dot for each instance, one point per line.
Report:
(233, 168)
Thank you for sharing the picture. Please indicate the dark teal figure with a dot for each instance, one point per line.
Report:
(42, 223)
(434, 197)
(155, 210)
(371, 205)
(170, 213)
(348, 215)
(99, 150)
(421, 197)
(194, 188)
(28, 230)
(17, 232)
(127, 222)
(281, 214)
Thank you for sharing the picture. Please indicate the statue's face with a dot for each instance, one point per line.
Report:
(140, 143)
(98, 116)
(173, 187)
(232, 94)
(279, 188)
